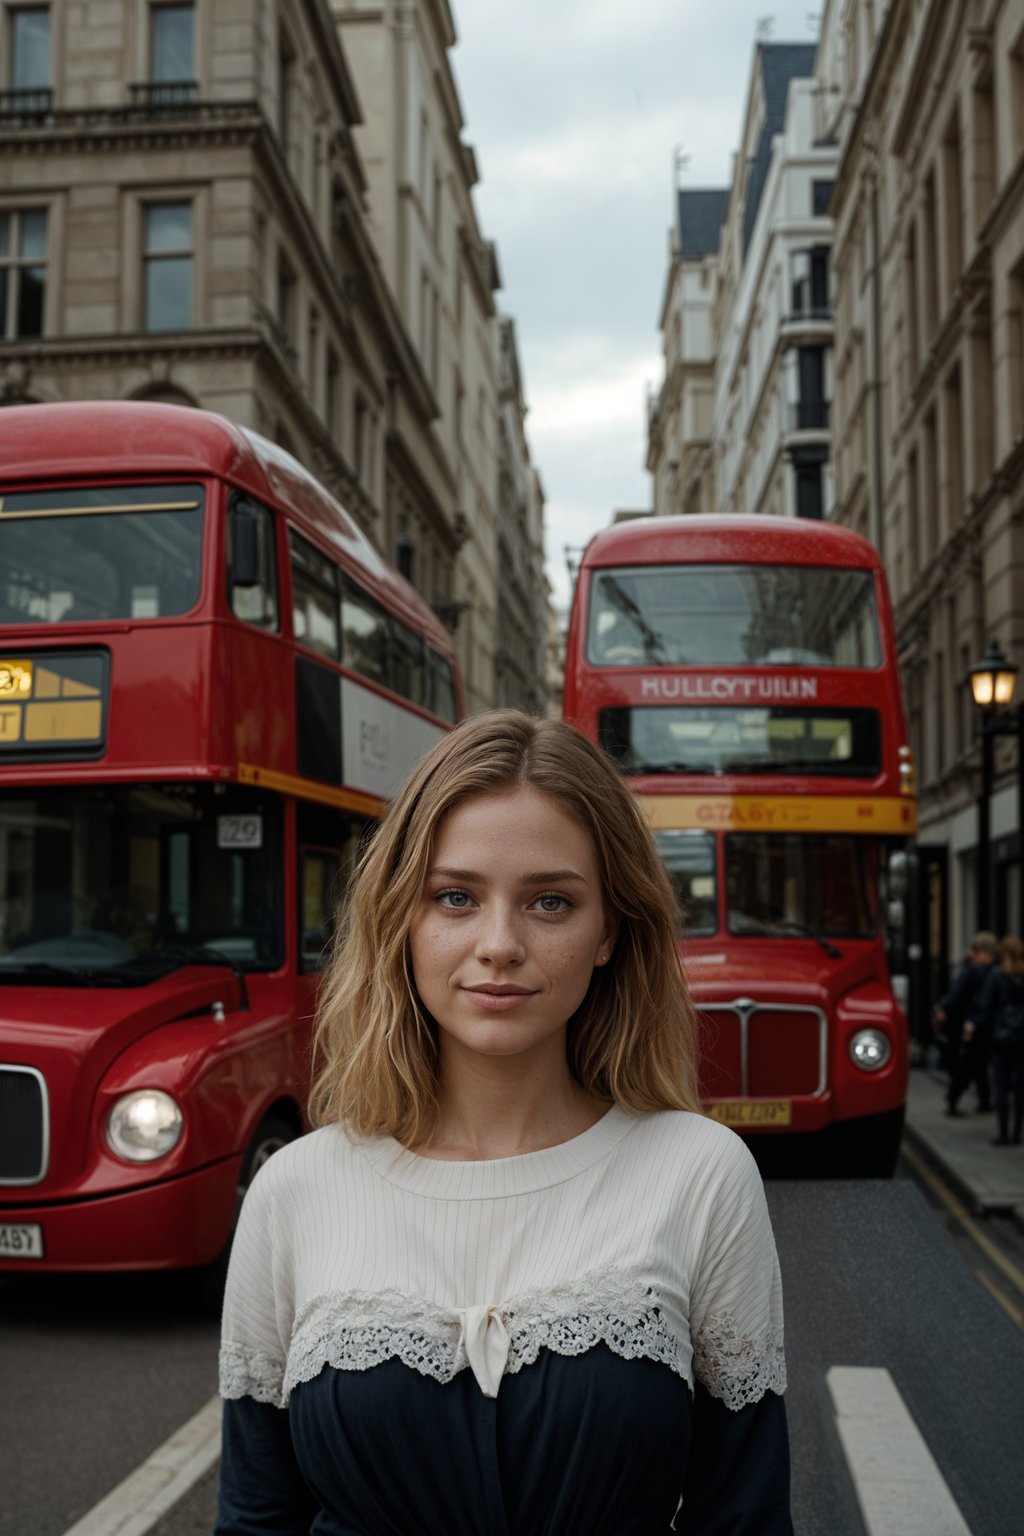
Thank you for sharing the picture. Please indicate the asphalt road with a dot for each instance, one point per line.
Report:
(98, 1373)
(95, 1373)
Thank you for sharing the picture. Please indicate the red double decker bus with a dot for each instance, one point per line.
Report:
(742, 672)
(209, 684)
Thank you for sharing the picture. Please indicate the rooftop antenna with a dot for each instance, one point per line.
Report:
(765, 28)
(680, 161)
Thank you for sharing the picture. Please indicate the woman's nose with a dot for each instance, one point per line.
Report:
(499, 939)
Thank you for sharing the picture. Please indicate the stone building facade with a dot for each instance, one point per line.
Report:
(742, 423)
(444, 275)
(926, 101)
(521, 660)
(680, 417)
(193, 209)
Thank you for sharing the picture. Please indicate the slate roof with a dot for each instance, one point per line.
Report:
(779, 63)
(701, 212)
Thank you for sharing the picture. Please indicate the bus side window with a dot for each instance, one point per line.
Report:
(441, 695)
(408, 675)
(314, 597)
(252, 564)
(328, 844)
(364, 634)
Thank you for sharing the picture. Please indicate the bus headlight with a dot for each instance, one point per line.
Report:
(870, 1050)
(144, 1125)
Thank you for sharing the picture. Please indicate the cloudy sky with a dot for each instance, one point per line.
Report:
(575, 109)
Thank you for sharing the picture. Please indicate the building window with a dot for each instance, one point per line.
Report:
(171, 57)
(808, 395)
(22, 272)
(332, 402)
(807, 472)
(167, 261)
(810, 283)
(952, 173)
(405, 556)
(286, 65)
(286, 297)
(821, 196)
(359, 437)
(28, 75)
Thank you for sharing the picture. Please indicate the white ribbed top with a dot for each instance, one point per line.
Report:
(647, 1233)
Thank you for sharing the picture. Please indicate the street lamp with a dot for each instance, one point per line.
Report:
(993, 680)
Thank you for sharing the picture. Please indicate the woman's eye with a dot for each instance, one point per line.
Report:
(552, 903)
(456, 900)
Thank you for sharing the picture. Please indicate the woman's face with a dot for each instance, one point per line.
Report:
(510, 925)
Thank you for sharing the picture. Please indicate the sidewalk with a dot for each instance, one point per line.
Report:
(990, 1179)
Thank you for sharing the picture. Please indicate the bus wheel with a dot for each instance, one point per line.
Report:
(272, 1133)
(869, 1148)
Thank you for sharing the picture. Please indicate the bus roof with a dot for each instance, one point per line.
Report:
(728, 539)
(100, 439)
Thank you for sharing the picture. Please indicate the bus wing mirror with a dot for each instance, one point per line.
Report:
(246, 565)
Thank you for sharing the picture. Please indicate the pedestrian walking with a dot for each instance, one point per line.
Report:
(515, 1281)
(965, 1056)
(999, 1014)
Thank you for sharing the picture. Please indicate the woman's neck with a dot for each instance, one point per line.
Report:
(503, 1107)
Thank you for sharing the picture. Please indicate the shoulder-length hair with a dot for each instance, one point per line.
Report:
(633, 1038)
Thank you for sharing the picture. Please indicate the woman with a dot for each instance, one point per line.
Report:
(998, 1022)
(515, 1283)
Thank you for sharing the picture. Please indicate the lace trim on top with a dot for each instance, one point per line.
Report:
(736, 1369)
(357, 1330)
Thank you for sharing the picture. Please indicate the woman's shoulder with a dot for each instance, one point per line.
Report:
(302, 1166)
(695, 1144)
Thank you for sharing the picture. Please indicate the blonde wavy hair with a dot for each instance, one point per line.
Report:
(633, 1038)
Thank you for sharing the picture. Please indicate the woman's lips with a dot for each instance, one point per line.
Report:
(499, 999)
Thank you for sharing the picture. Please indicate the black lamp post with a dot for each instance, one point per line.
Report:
(993, 679)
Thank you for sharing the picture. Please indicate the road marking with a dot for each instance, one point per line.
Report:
(900, 1490)
(134, 1506)
(949, 1200)
(1014, 1313)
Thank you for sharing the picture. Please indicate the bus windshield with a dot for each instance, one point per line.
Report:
(689, 859)
(108, 552)
(791, 885)
(733, 616)
(726, 740)
(120, 884)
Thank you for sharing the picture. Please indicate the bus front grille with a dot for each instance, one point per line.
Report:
(24, 1125)
(762, 1050)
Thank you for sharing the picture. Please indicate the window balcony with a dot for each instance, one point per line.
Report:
(164, 97)
(804, 314)
(25, 106)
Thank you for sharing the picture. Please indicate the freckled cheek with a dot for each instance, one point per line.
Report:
(439, 945)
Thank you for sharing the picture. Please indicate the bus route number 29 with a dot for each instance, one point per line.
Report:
(239, 831)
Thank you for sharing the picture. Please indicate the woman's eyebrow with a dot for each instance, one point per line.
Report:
(541, 877)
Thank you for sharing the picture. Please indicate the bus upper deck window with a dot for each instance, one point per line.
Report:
(314, 597)
(252, 565)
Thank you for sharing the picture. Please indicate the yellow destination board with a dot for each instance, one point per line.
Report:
(889, 814)
(52, 700)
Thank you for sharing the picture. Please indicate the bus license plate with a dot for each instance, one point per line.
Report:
(752, 1112)
(21, 1240)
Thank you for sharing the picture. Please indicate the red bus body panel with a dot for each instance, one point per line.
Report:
(201, 697)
